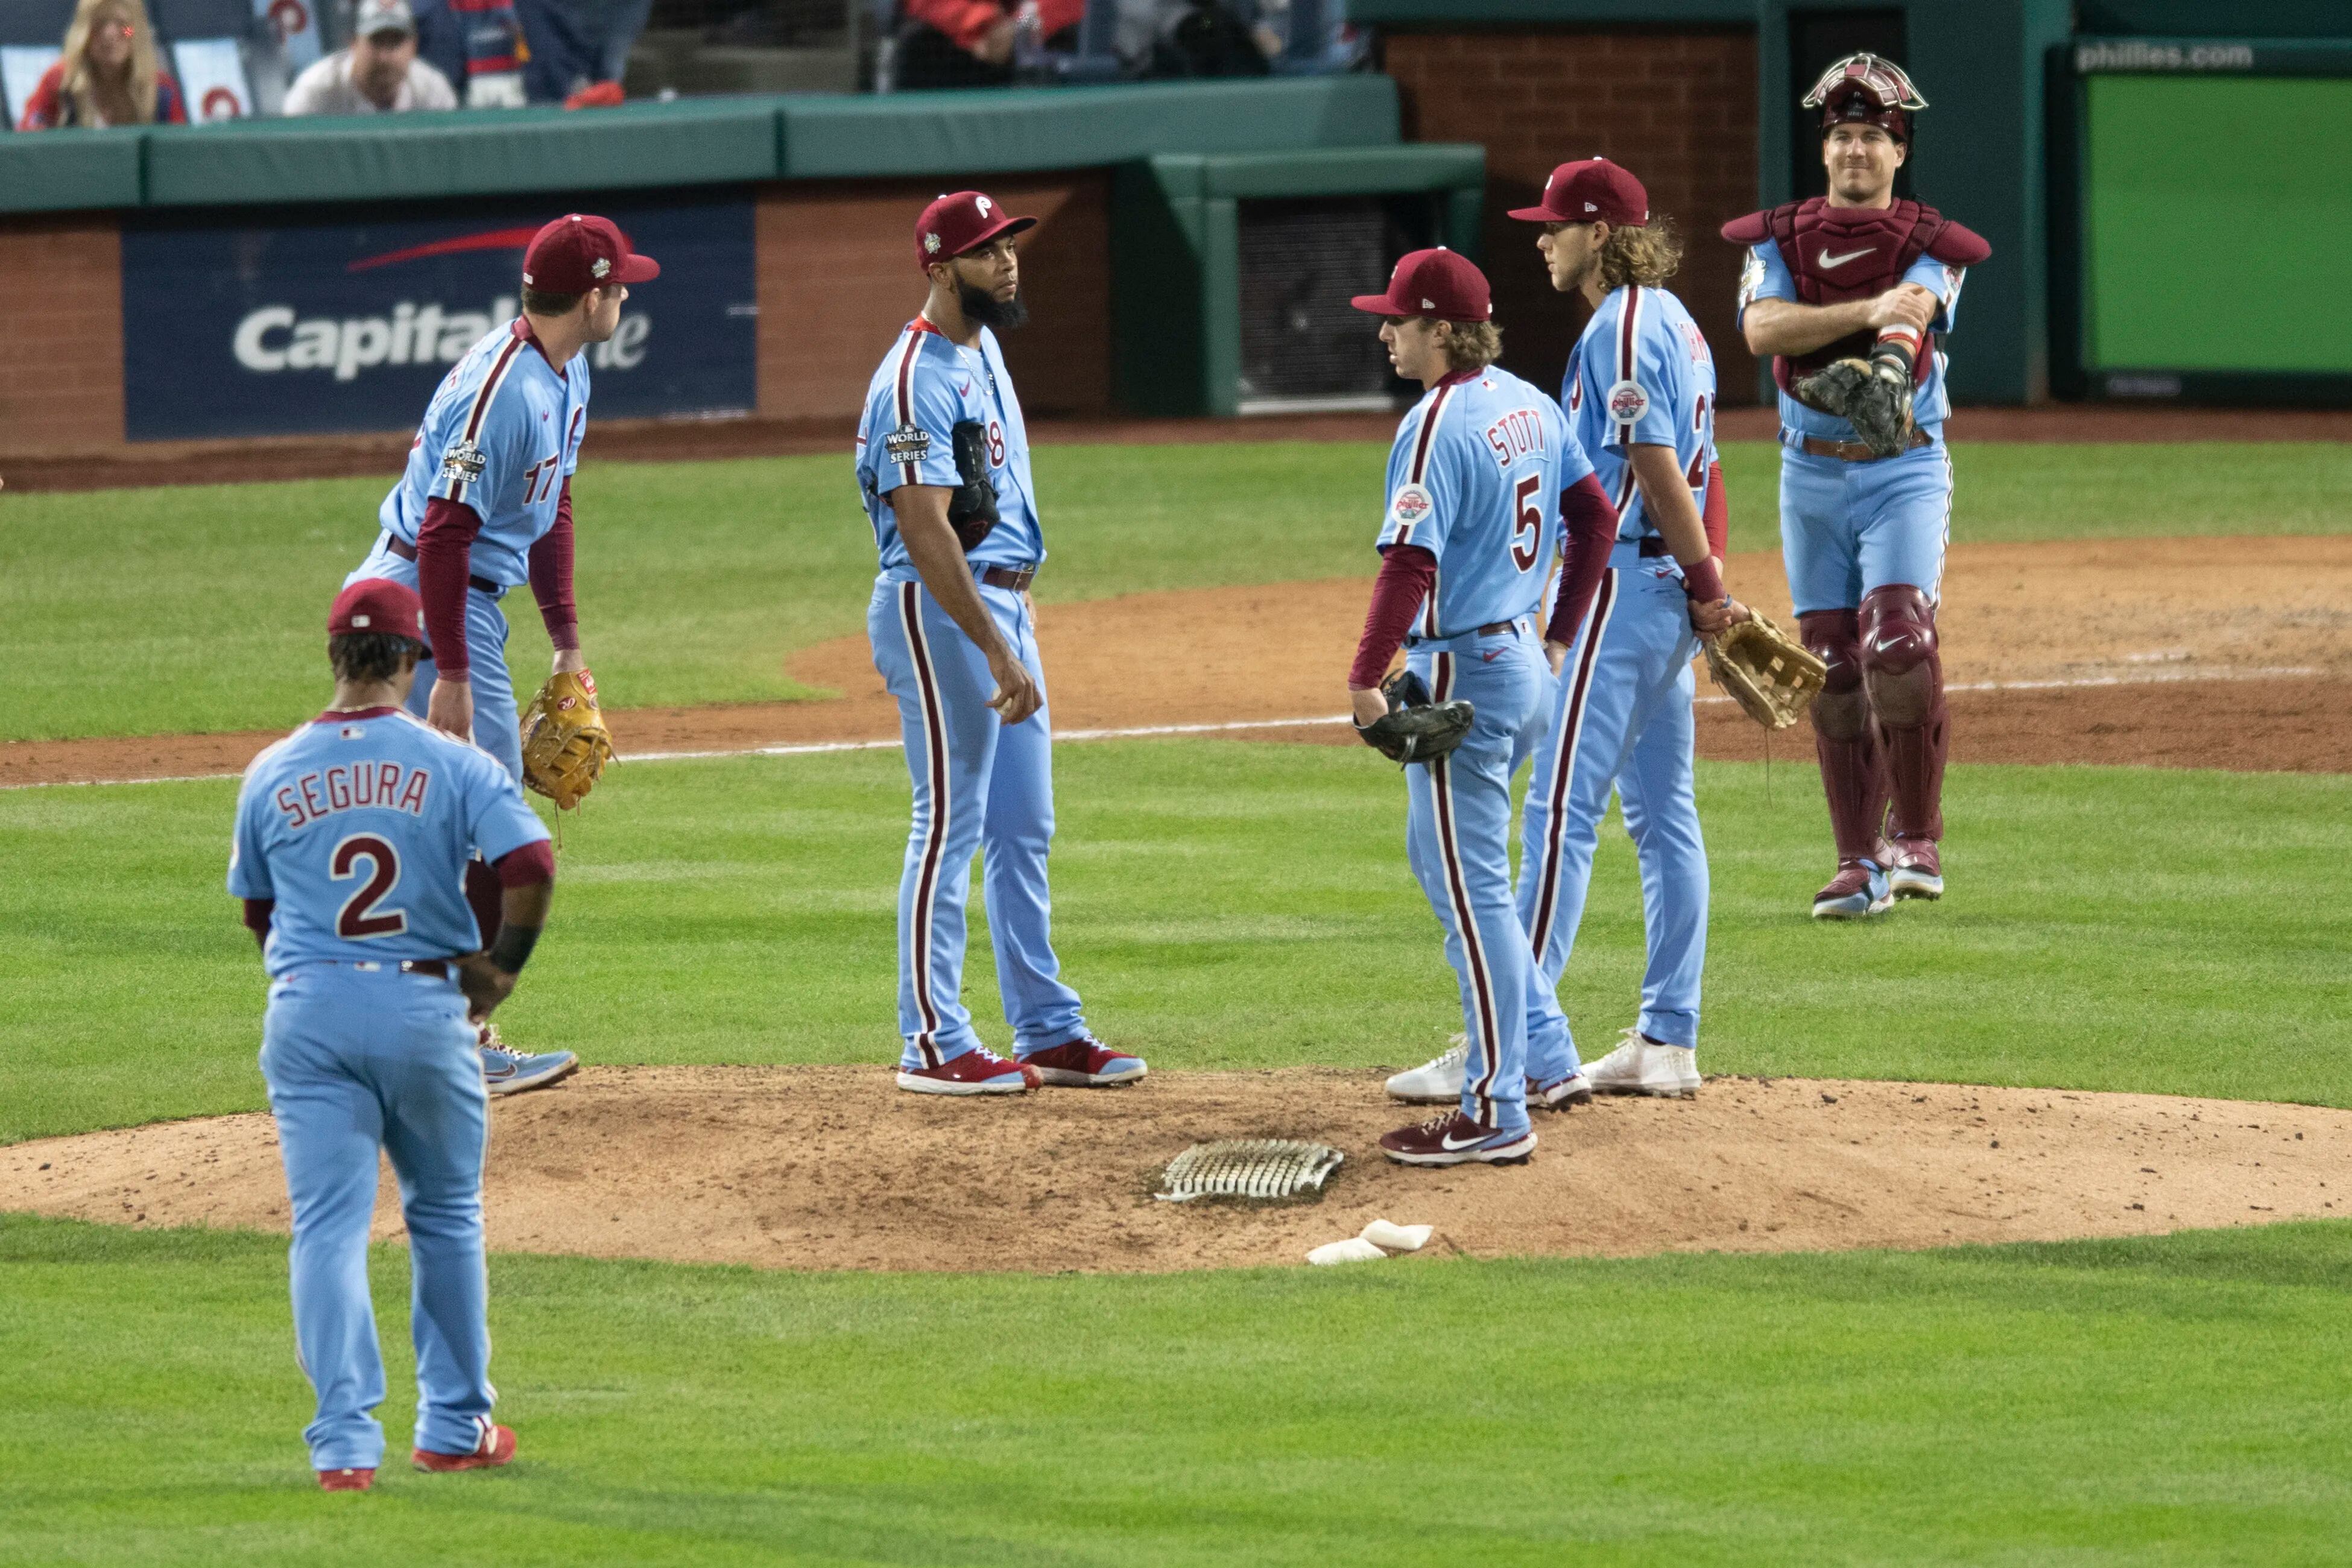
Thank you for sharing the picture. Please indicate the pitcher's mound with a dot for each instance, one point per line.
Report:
(833, 1168)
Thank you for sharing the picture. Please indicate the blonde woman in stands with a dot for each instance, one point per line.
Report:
(108, 74)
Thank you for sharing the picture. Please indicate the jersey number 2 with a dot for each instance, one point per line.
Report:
(1527, 524)
(359, 919)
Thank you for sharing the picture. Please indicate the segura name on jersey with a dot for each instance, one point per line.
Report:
(327, 791)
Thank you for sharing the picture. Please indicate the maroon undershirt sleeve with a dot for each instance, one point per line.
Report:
(1591, 535)
(444, 554)
(1406, 573)
(257, 916)
(1718, 516)
(551, 577)
(522, 867)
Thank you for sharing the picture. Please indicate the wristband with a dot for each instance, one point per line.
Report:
(511, 948)
(1701, 580)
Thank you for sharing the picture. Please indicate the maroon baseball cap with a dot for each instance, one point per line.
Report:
(1592, 190)
(1440, 283)
(378, 604)
(577, 253)
(961, 221)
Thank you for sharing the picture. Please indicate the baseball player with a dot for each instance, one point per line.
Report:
(1640, 393)
(943, 466)
(1860, 274)
(352, 838)
(486, 506)
(1475, 488)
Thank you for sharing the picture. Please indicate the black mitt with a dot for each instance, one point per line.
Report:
(1875, 396)
(1415, 729)
(971, 510)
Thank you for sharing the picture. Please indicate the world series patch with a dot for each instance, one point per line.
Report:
(464, 461)
(1628, 403)
(906, 444)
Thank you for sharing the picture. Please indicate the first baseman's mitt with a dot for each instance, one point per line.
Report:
(1875, 395)
(1773, 678)
(1415, 729)
(564, 743)
(971, 507)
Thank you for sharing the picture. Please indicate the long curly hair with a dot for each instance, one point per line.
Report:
(97, 102)
(1647, 256)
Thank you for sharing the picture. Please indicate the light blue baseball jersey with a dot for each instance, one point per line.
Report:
(502, 435)
(1641, 376)
(1767, 277)
(926, 386)
(359, 826)
(1475, 479)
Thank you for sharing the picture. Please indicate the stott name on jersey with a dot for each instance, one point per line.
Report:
(322, 793)
(1515, 435)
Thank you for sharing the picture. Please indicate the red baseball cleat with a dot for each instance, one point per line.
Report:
(346, 1480)
(1457, 1140)
(1918, 871)
(497, 1447)
(1085, 1063)
(978, 1071)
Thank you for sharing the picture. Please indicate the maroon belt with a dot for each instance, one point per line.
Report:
(1857, 451)
(407, 552)
(1008, 577)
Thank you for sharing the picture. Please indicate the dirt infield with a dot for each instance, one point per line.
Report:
(2103, 652)
(834, 1168)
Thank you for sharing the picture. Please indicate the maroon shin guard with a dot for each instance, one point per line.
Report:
(486, 898)
(1903, 677)
(1843, 739)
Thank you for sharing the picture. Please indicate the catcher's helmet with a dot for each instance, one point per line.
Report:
(1867, 88)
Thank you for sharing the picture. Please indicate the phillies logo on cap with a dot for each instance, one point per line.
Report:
(981, 203)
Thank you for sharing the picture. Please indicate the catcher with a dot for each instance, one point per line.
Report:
(1850, 293)
(1475, 482)
(484, 507)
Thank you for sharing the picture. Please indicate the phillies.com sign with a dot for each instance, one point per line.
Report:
(333, 327)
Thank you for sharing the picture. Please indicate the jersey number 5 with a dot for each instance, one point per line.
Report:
(359, 919)
(1527, 524)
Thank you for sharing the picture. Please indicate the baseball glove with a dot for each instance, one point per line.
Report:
(971, 509)
(1773, 678)
(1876, 397)
(564, 743)
(1415, 729)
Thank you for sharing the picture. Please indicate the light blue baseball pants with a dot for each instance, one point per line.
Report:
(1848, 528)
(497, 727)
(981, 786)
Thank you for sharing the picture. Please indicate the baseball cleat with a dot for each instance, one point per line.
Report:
(1858, 891)
(1918, 871)
(978, 1071)
(497, 1447)
(1085, 1063)
(1643, 1066)
(1437, 1081)
(1561, 1093)
(505, 1072)
(1457, 1140)
(346, 1480)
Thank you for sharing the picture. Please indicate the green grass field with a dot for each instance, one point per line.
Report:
(2170, 1400)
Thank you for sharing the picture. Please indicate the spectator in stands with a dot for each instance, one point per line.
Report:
(970, 43)
(479, 45)
(108, 74)
(379, 73)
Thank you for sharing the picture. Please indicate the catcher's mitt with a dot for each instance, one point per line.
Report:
(971, 507)
(1773, 678)
(564, 743)
(1875, 396)
(1415, 729)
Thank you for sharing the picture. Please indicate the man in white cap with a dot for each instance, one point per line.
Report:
(379, 73)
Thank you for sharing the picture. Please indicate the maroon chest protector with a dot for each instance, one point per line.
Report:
(1837, 254)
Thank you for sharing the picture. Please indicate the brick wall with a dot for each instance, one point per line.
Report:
(61, 319)
(838, 279)
(1676, 106)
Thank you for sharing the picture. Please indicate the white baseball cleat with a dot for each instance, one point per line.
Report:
(1643, 1066)
(506, 1070)
(1437, 1081)
(1560, 1094)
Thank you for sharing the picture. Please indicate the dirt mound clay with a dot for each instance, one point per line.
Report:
(834, 1168)
(2077, 652)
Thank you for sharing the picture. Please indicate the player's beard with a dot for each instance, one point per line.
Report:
(983, 309)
